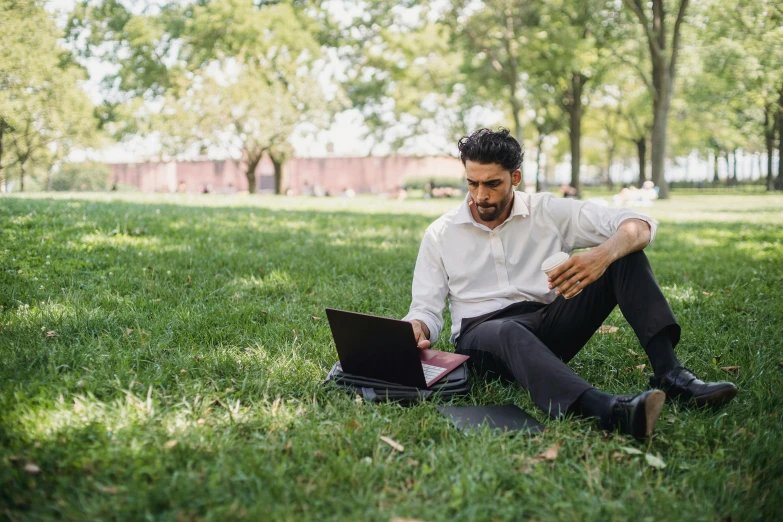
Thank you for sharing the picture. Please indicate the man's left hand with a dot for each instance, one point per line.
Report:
(578, 272)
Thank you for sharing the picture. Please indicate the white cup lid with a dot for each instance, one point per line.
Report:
(554, 261)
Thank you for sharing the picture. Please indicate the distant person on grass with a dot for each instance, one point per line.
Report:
(515, 322)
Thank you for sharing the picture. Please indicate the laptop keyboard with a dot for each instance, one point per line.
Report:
(431, 372)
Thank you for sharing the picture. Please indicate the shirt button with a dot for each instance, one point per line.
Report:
(493, 235)
(500, 261)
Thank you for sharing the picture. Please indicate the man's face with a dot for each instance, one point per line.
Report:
(491, 188)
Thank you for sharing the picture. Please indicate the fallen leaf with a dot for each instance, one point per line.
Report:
(655, 462)
(731, 369)
(201, 422)
(608, 329)
(189, 279)
(391, 442)
(32, 468)
(619, 456)
(129, 331)
(170, 444)
(549, 454)
(14, 458)
(633, 353)
(288, 446)
(780, 363)
(751, 320)
(706, 293)
(183, 371)
(51, 333)
(641, 367)
(318, 454)
(353, 424)
(413, 462)
(631, 451)
(315, 318)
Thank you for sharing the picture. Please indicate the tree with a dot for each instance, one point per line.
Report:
(739, 78)
(571, 57)
(223, 73)
(663, 53)
(43, 111)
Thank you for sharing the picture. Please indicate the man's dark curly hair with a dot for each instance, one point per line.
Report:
(486, 146)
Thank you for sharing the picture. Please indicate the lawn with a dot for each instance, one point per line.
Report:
(161, 358)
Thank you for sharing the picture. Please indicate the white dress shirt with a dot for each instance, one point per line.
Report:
(482, 270)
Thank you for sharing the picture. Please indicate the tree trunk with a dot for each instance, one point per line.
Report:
(518, 128)
(3, 126)
(539, 146)
(731, 166)
(641, 149)
(610, 160)
(574, 108)
(22, 169)
(769, 141)
(280, 181)
(663, 72)
(779, 179)
(715, 178)
(660, 126)
(250, 173)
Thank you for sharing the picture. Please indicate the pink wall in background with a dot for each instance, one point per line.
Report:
(364, 174)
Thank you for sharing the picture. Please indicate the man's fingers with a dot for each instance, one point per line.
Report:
(569, 284)
(577, 287)
(556, 274)
(563, 278)
(421, 337)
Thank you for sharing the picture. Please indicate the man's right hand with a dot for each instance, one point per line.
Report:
(422, 334)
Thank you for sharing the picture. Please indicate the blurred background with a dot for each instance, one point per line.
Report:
(343, 97)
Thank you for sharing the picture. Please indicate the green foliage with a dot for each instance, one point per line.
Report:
(88, 175)
(44, 112)
(231, 74)
(182, 378)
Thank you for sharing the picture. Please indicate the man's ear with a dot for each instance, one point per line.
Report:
(516, 177)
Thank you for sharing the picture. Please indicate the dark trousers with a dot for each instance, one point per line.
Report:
(530, 343)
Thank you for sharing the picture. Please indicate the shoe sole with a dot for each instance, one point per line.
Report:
(651, 406)
(715, 399)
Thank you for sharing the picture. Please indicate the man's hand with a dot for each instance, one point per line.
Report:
(578, 271)
(586, 267)
(422, 334)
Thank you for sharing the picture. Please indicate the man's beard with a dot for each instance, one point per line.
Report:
(489, 213)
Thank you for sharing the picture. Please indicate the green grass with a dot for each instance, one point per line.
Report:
(183, 377)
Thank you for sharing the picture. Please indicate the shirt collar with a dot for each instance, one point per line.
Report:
(519, 209)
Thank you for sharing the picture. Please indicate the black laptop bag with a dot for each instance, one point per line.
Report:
(457, 382)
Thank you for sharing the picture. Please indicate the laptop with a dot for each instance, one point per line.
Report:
(385, 349)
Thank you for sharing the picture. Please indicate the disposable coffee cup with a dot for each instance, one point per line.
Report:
(553, 262)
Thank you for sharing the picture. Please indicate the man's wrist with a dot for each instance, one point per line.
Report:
(425, 330)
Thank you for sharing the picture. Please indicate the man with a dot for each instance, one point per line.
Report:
(515, 322)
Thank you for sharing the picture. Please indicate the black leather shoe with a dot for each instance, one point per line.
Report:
(635, 415)
(682, 385)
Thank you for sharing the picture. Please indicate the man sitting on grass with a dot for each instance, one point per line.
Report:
(515, 322)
